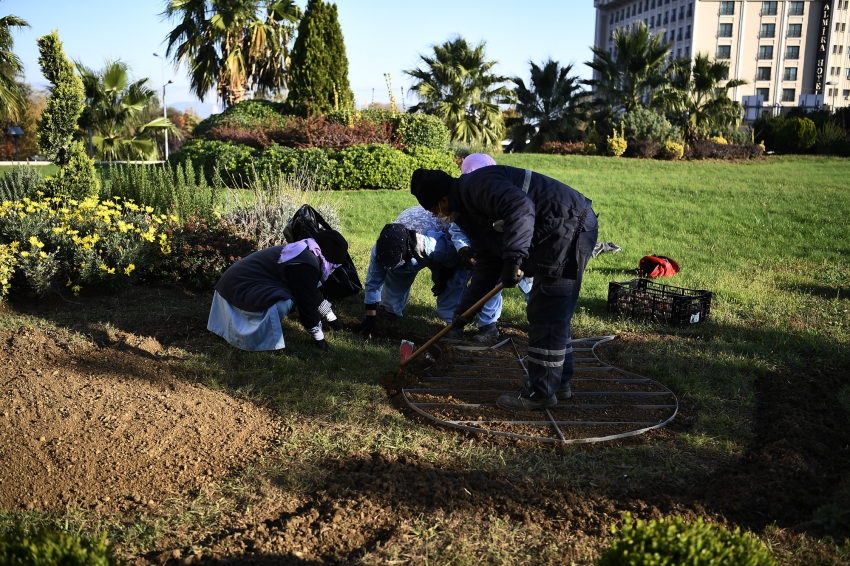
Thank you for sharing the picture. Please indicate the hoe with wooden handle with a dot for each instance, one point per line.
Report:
(407, 353)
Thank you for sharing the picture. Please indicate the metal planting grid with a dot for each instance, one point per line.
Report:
(607, 403)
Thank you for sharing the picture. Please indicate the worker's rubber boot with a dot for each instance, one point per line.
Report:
(487, 333)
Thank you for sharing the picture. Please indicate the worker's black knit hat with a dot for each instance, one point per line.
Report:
(429, 186)
(333, 245)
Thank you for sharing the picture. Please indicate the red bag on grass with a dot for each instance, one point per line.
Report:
(657, 266)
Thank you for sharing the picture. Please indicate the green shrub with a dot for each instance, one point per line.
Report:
(231, 161)
(248, 114)
(372, 166)
(19, 182)
(427, 158)
(179, 189)
(77, 179)
(766, 130)
(422, 130)
(830, 135)
(8, 261)
(50, 548)
(644, 124)
(796, 135)
(671, 542)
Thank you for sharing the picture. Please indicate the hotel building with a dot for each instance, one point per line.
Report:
(788, 52)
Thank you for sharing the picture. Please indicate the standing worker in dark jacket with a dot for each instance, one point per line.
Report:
(522, 222)
(258, 291)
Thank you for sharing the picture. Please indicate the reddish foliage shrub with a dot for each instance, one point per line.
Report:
(200, 252)
(645, 149)
(707, 149)
(311, 132)
(563, 148)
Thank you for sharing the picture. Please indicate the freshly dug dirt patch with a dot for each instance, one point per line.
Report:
(112, 428)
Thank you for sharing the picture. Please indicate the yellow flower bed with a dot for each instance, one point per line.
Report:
(88, 242)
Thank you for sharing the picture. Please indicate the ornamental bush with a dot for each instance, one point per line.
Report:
(19, 182)
(645, 149)
(617, 144)
(672, 151)
(708, 149)
(179, 189)
(48, 548)
(422, 130)
(796, 135)
(8, 261)
(563, 148)
(671, 542)
(197, 252)
(78, 244)
(372, 166)
(229, 160)
(248, 114)
(643, 123)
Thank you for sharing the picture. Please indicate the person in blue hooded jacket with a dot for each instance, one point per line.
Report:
(523, 224)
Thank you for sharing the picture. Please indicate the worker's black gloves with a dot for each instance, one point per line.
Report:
(443, 277)
(511, 273)
(367, 327)
(467, 257)
(334, 324)
(322, 345)
(460, 321)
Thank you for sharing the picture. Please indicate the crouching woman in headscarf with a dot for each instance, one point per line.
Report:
(258, 291)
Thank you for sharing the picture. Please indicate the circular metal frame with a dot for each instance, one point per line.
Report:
(578, 345)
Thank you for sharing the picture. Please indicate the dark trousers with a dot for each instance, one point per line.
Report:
(551, 305)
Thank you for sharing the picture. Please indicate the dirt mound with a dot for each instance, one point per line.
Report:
(112, 427)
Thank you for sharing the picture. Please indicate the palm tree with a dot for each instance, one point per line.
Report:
(235, 46)
(12, 100)
(113, 116)
(697, 96)
(629, 74)
(458, 85)
(550, 109)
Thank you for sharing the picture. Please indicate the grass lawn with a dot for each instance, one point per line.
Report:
(764, 387)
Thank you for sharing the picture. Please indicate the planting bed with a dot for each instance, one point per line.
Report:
(460, 390)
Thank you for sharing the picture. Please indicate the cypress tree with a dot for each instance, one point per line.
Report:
(318, 81)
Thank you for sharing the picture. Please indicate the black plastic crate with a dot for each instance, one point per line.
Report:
(647, 300)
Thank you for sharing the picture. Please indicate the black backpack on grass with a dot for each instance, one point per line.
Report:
(343, 281)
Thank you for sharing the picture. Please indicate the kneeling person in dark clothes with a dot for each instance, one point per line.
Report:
(522, 221)
(258, 291)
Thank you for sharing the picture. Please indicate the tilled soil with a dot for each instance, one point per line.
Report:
(111, 428)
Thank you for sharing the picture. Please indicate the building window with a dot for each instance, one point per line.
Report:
(790, 74)
(788, 95)
(666, 19)
(767, 30)
(682, 13)
(653, 4)
(679, 37)
(768, 8)
(795, 30)
(640, 8)
(673, 15)
(725, 30)
(690, 9)
(652, 21)
(724, 52)
(727, 8)
(840, 27)
(792, 51)
(646, 5)
(796, 9)
(679, 52)
(765, 52)
(847, 73)
(845, 93)
(764, 93)
(688, 32)
(763, 74)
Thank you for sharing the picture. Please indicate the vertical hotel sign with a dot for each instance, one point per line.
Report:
(823, 42)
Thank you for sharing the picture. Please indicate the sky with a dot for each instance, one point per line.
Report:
(381, 36)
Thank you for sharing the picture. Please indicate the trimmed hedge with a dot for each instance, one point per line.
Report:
(247, 114)
(708, 149)
(671, 542)
(49, 547)
(370, 166)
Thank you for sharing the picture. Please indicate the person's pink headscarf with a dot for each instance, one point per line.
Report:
(475, 161)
